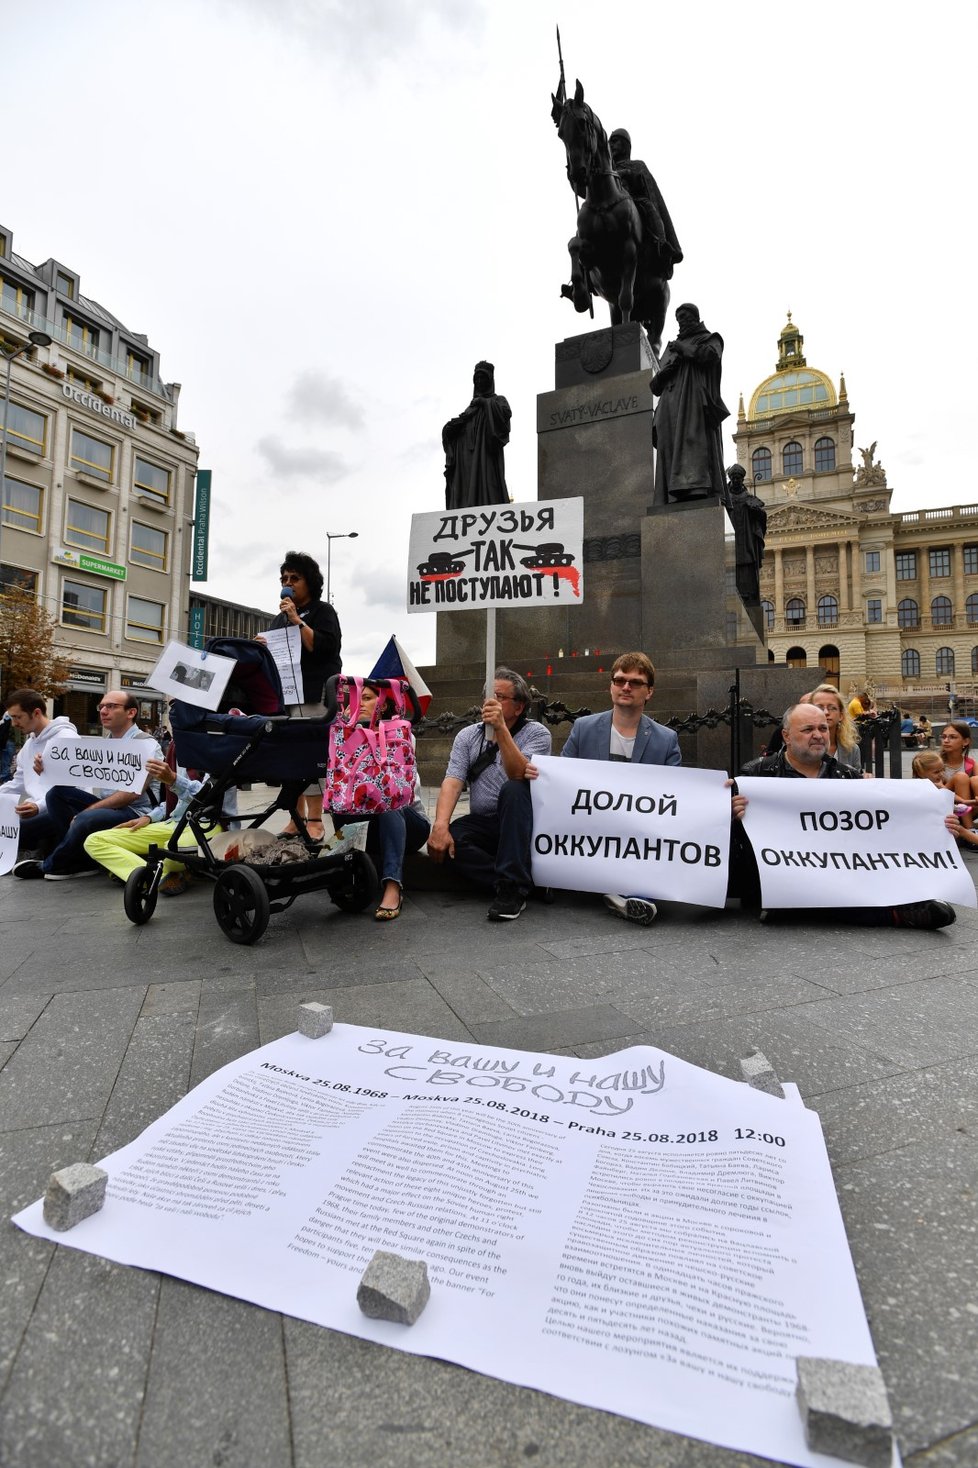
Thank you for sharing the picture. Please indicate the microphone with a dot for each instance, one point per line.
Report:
(285, 591)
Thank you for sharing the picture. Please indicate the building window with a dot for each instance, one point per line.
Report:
(87, 526)
(83, 606)
(81, 336)
(908, 613)
(974, 659)
(874, 609)
(792, 459)
(138, 370)
(65, 285)
(794, 612)
(22, 505)
(91, 456)
(970, 554)
(828, 611)
(148, 546)
(906, 566)
(828, 661)
(940, 561)
(796, 657)
(152, 481)
(971, 609)
(825, 454)
(17, 578)
(26, 430)
(83, 379)
(940, 611)
(17, 300)
(910, 663)
(144, 620)
(767, 608)
(945, 662)
(760, 463)
(872, 562)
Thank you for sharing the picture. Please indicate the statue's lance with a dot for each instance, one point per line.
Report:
(558, 99)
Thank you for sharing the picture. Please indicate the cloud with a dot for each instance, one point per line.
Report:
(316, 398)
(302, 463)
(383, 589)
(366, 32)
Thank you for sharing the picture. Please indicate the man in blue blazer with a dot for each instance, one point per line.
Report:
(625, 733)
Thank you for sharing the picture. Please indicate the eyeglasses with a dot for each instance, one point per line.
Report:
(620, 682)
(292, 577)
(104, 706)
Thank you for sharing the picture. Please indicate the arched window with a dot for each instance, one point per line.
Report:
(828, 661)
(767, 607)
(794, 612)
(760, 463)
(908, 613)
(940, 611)
(945, 662)
(974, 659)
(796, 657)
(792, 459)
(910, 663)
(828, 611)
(824, 453)
(971, 609)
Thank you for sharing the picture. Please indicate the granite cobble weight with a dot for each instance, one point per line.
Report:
(394, 1288)
(74, 1193)
(845, 1410)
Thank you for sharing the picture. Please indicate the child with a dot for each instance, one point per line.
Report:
(930, 766)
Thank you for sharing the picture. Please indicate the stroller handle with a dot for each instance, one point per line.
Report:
(391, 684)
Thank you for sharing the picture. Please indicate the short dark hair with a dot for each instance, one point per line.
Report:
(521, 692)
(306, 567)
(635, 662)
(27, 699)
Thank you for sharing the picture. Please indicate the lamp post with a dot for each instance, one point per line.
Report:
(34, 339)
(339, 535)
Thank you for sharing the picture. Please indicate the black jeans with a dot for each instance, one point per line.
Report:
(495, 849)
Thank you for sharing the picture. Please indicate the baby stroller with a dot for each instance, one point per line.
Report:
(263, 744)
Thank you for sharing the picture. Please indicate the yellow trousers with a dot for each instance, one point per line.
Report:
(121, 852)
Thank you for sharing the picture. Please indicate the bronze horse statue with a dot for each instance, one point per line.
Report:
(625, 247)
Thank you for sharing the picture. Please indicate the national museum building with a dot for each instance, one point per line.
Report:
(867, 596)
(99, 484)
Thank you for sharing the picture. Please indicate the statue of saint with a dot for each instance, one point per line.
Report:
(686, 426)
(474, 443)
(749, 517)
(657, 228)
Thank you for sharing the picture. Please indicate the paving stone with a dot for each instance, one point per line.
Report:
(902, 1110)
(216, 1392)
(472, 999)
(153, 1077)
(73, 1193)
(845, 1411)
(332, 974)
(314, 1020)
(414, 1007)
(180, 997)
(908, 1024)
(18, 1013)
(227, 1027)
(394, 1288)
(544, 1031)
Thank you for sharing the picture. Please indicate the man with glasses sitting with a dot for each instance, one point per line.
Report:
(625, 733)
(75, 814)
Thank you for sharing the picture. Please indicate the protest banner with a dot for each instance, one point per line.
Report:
(189, 674)
(655, 831)
(9, 832)
(849, 843)
(631, 1233)
(497, 556)
(91, 763)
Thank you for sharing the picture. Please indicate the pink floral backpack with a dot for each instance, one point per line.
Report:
(370, 767)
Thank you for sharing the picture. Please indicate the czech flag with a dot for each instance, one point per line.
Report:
(395, 663)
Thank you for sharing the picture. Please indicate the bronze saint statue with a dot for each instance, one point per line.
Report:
(686, 426)
(474, 443)
(749, 517)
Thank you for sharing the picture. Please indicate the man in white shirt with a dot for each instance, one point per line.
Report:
(28, 713)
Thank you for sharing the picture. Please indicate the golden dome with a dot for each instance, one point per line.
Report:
(795, 386)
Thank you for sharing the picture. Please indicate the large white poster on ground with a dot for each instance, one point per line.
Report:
(528, 554)
(9, 832)
(853, 843)
(632, 1233)
(656, 831)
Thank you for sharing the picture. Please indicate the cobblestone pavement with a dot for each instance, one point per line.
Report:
(104, 1025)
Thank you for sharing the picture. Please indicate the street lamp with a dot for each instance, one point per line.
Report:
(344, 535)
(34, 339)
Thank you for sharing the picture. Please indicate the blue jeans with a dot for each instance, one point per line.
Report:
(68, 812)
(495, 849)
(38, 833)
(391, 835)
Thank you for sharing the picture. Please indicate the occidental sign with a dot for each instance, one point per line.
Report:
(96, 405)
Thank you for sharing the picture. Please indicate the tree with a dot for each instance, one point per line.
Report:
(28, 657)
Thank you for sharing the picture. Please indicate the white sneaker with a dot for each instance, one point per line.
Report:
(70, 876)
(633, 909)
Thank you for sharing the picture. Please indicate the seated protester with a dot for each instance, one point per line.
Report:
(491, 845)
(392, 834)
(805, 755)
(28, 713)
(625, 734)
(75, 814)
(122, 849)
(928, 765)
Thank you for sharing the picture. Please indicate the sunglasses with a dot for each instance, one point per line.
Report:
(620, 682)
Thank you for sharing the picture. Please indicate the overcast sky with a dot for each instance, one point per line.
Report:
(322, 213)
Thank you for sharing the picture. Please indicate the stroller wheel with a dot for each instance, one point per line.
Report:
(360, 886)
(241, 904)
(142, 890)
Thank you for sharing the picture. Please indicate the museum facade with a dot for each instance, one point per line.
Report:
(99, 486)
(870, 597)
